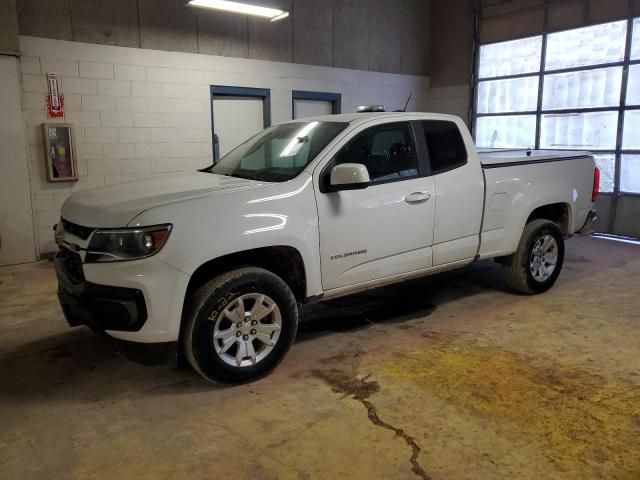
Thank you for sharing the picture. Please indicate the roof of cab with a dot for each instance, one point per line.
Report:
(367, 116)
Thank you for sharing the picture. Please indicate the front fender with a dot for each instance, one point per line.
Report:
(277, 214)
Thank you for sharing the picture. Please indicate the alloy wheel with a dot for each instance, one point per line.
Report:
(544, 257)
(247, 330)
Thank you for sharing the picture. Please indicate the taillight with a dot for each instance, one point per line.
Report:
(596, 184)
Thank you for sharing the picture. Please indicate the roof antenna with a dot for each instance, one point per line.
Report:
(406, 104)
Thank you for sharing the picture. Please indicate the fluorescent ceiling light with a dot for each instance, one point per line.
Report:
(272, 14)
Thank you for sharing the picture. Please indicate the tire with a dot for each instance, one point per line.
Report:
(522, 270)
(230, 306)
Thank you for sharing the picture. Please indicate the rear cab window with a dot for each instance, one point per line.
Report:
(445, 145)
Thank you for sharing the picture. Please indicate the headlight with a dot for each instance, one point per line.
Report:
(126, 243)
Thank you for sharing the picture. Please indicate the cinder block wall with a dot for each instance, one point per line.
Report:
(140, 112)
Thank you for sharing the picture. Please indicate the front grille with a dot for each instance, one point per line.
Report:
(77, 230)
(73, 265)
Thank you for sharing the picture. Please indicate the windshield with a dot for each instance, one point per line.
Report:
(278, 153)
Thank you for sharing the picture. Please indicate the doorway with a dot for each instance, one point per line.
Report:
(237, 114)
(312, 104)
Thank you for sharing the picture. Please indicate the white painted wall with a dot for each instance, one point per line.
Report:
(145, 112)
(16, 216)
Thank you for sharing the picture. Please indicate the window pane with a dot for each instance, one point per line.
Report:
(590, 88)
(630, 173)
(633, 85)
(607, 165)
(631, 133)
(386, 150)
(445, 145)
(580, 131)
(586, 46)
(510, 58)
(514, 95)
(635, 45)
(514, 131)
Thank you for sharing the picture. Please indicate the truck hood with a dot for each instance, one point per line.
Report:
(116, 205)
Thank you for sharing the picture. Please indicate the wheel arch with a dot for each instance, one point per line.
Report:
(284, 261)
(559, 213)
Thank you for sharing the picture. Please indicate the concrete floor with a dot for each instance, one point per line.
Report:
(446, 377)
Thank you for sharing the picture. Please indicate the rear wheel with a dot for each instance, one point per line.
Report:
(535, 266)
(240, 325)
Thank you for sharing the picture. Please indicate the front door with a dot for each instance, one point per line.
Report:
(387, 228)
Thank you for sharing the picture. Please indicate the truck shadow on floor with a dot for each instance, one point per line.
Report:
(56, 366)
(81, 367)
(398, 304)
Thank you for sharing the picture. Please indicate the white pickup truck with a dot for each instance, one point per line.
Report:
(216, 262)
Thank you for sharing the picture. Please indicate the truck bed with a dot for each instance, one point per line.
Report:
(496, 158)
(519, 181)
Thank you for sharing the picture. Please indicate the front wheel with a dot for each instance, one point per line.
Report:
(537, 262)
(240, 325)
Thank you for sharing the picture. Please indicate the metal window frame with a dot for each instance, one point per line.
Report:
(620, 108)
(334, 98)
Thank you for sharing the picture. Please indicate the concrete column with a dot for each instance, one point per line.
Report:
(9, 43)
(17, 243)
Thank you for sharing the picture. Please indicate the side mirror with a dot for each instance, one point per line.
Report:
(349, 176)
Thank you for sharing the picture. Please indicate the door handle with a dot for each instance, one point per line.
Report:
(417, 197)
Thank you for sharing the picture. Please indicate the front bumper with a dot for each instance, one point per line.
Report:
(101, 307)
(139, 301)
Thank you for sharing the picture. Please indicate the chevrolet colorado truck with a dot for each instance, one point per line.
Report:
(215, 262)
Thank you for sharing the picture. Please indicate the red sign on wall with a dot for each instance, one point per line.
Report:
(55, 101)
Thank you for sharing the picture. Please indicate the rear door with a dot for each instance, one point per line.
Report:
(387, 228)
(459, 185)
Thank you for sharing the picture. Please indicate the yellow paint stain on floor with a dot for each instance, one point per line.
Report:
(581, 419)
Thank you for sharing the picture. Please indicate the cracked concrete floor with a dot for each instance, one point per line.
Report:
(449, 377)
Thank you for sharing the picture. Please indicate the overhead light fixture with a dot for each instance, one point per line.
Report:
(272, 14)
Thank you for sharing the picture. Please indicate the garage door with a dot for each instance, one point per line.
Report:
(570, 90)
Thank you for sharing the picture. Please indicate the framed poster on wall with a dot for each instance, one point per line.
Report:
(60, 155)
